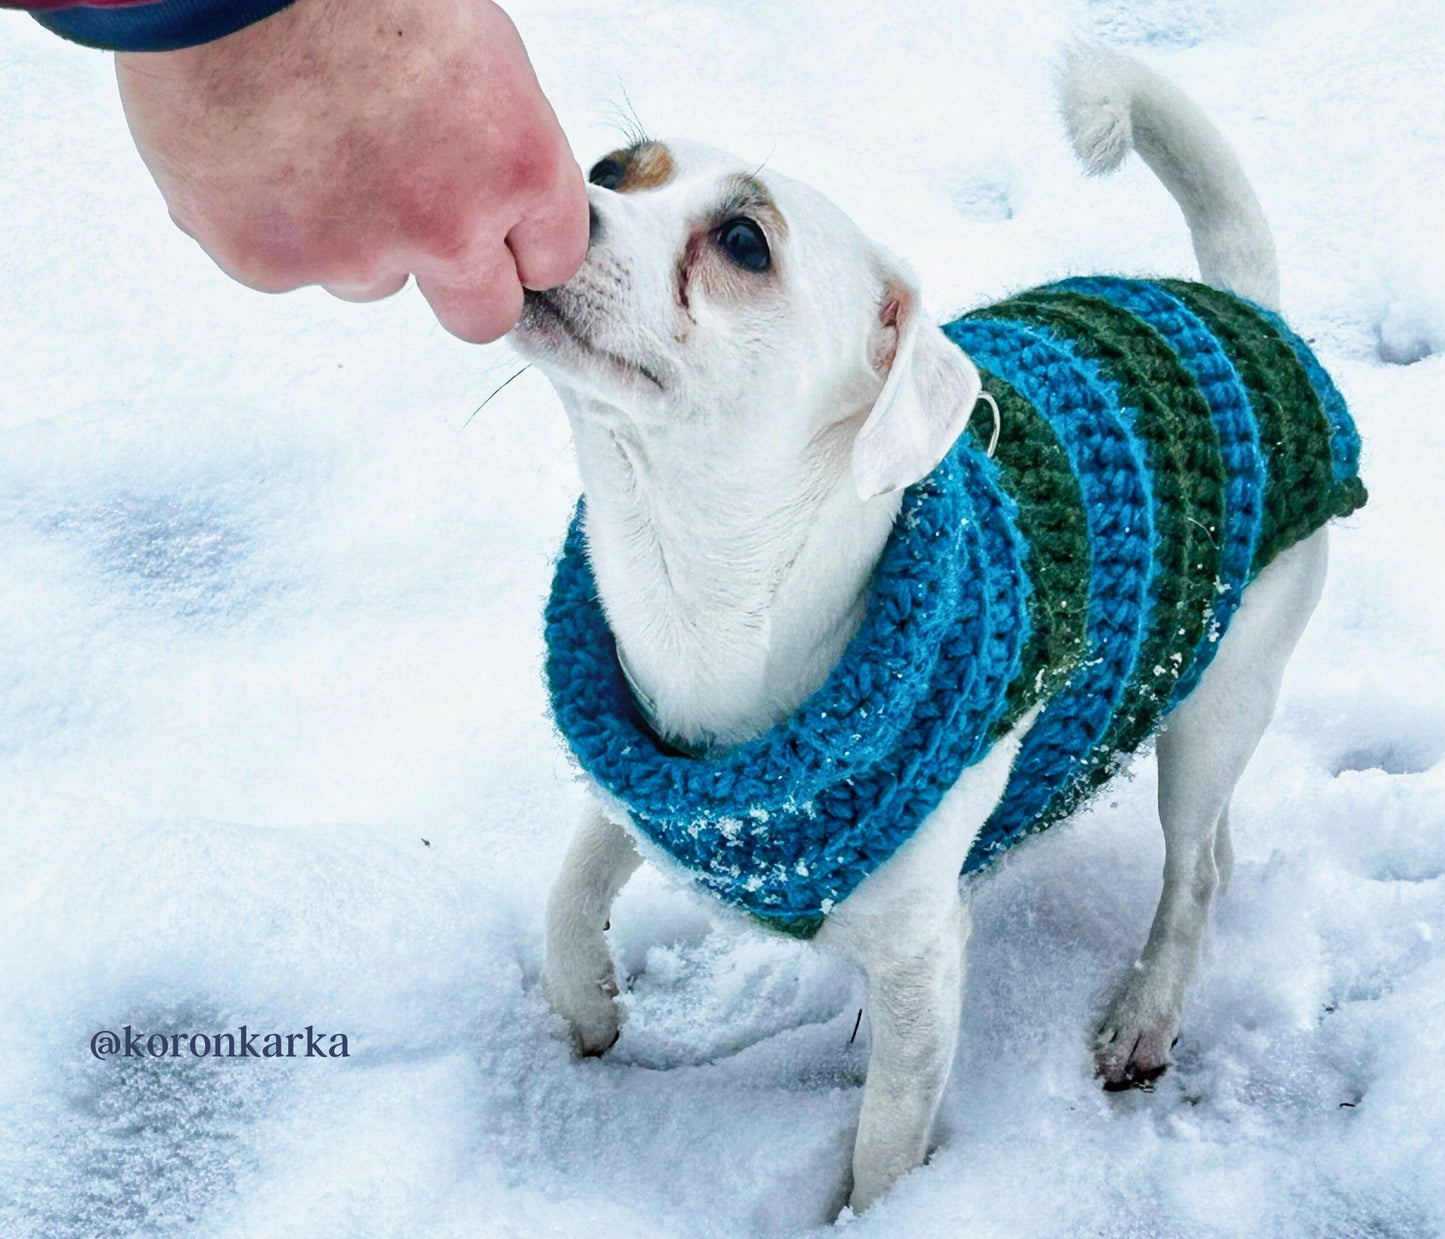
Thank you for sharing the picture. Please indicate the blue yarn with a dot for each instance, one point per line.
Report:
(1084, 409)
(1207, 362)
(1344, 438)
(786, 825)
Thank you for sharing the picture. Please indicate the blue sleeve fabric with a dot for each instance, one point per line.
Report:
(163, 26)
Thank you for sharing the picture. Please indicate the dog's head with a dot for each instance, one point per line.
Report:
(730, 308)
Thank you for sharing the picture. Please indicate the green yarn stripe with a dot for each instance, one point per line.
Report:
(1294, 433)
(1035, 471)
(1089, 573)
(1187, 478)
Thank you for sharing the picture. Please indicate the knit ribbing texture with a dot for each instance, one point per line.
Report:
(1160, 442)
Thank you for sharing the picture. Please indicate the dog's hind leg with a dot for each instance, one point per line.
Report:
(1206, 743)
(579, 977)
(1223, 852)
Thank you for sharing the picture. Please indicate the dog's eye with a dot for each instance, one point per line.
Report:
(744, 244)
(607, 173)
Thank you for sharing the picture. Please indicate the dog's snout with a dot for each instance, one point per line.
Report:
(594, 224)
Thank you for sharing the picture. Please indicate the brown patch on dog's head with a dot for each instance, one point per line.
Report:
(644, 165)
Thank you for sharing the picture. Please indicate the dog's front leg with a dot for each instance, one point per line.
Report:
(915, 1000)
(579, 977)
(908, 927)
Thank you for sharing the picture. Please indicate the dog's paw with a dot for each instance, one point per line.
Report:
(1131, 1048)
(590, 1009)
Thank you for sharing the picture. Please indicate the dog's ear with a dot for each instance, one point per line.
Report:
(929, 390)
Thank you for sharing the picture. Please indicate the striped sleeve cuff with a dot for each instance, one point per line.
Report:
(164, 26)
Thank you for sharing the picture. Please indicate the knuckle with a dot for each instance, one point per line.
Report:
(443, 230)
(531, 173)
(453, 243)
(538, 165)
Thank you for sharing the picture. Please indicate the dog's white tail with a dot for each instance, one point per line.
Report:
(1113, 104)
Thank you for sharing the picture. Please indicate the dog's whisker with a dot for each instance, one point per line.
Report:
(774, 680)
(626, 121)
(495, 391)
(639, 129)
(620, 125)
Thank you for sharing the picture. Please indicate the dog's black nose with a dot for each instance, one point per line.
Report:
(594, 224)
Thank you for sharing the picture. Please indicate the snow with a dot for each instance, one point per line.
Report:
(273, 746)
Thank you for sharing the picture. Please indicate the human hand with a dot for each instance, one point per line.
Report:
(349, 145)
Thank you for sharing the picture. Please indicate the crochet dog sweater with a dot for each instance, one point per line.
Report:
(1159, 443)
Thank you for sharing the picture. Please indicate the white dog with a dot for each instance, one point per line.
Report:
(751, 383)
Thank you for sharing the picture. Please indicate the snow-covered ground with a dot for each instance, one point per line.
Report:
(273, 746)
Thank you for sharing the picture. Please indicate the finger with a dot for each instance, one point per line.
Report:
(245, 269)
(478, 309)
(182, 225)
(550, 243)
(372, 290)
(248, 259)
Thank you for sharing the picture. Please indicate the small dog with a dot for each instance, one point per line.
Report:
(751, 385)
